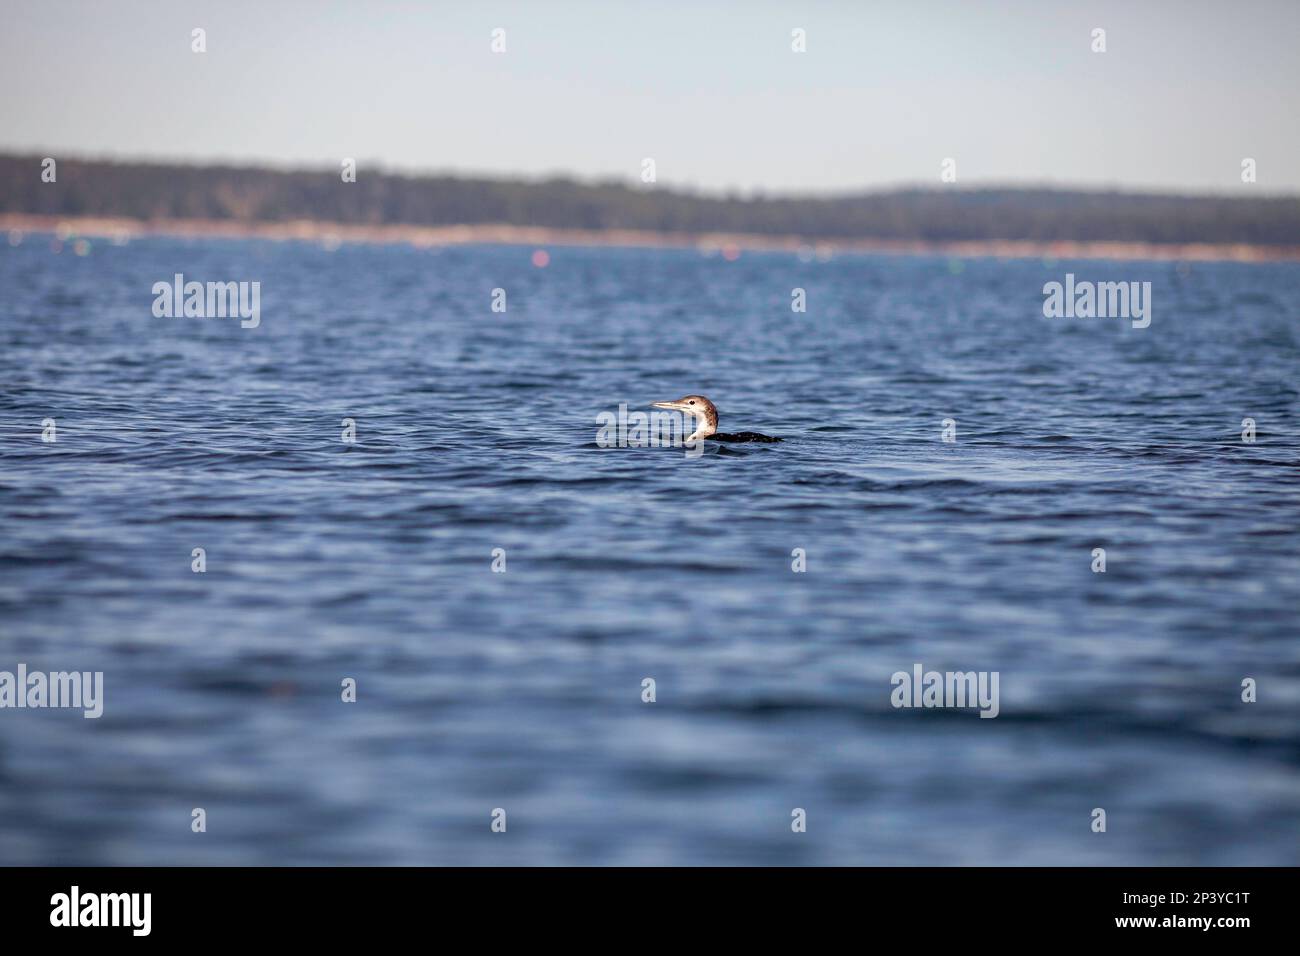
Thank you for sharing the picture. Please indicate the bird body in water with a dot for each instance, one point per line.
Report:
(707, 413)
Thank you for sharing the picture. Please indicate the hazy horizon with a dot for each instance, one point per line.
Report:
(1013, 93)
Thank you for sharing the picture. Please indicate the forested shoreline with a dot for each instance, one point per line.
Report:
(171, 191)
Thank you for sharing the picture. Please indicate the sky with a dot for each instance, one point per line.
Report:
(712, 92)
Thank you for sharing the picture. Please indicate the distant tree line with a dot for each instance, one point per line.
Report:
(154, 191)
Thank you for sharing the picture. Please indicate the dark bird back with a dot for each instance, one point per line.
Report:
(742, 437)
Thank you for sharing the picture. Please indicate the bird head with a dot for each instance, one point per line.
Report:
(696, 405)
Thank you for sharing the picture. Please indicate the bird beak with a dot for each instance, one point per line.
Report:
(676, 406)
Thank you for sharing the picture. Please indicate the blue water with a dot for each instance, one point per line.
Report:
(522, 690)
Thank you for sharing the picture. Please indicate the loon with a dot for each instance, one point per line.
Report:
(707, 412)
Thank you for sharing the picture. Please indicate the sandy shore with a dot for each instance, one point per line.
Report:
(730, 245)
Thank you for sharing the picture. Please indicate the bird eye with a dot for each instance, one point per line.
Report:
(692, 403)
